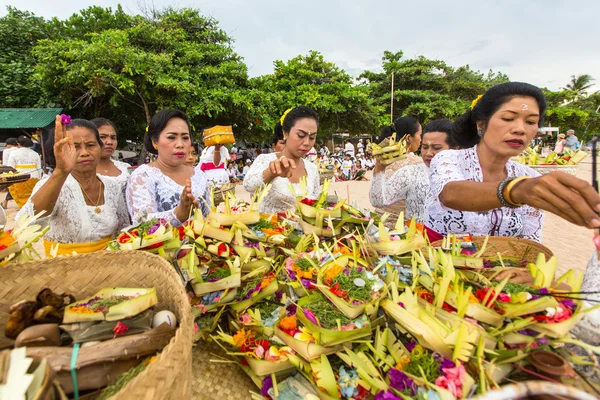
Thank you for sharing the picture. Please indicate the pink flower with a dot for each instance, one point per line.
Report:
(202, 308)
(196, 329)
(260, 352)
(503, 297)
(562, 314)
(452, 380)
(246, 318)
(310, 316)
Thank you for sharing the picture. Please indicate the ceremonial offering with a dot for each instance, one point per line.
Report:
(390, 150)
(218, 135)
(152, 235)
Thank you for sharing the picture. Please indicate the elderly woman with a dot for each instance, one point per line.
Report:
(83, 210)
(112, 169)
(479, 191)
(167, 188)
(299, 126)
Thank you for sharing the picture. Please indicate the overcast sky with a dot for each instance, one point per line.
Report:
(542, 42)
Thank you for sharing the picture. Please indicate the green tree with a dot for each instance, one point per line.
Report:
(580, 84)
(342, 104)
(19, 32)
(426, 89)
(138, 66)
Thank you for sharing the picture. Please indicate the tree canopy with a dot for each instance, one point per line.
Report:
(106, 62)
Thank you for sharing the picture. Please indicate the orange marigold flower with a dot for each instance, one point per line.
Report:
(333, 271)
(242, 336)
(289, 323)
(266, 282)
(403, 362)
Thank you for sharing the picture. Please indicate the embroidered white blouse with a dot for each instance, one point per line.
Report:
(73, 221)
(280, 197)
(123, 177)
(410, 183)
(25, 156)
(152, 194)
(460, 165)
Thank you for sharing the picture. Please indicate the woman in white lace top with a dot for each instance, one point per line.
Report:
(299, 126)
(478, 190)
(111, 169)
(82, 209)
(167, 188)
(411, 183)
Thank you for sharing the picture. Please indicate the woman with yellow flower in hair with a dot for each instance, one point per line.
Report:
(300, 125)
(480, 191)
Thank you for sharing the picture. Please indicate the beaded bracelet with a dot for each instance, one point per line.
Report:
(511, 185)
(500, 192)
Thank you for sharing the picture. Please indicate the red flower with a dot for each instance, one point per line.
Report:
(335, 289)
(362, 393)
(308, 202)
(120, 329)
(264, 343)
(448, 307)
(244, 362)
(222, 249)
(426, 296)
(540, 318)
(156, 246)
(181, 230)
(481, 293)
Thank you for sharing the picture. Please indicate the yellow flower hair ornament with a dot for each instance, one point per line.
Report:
(474, 102)
(284, 115)
(146, 129)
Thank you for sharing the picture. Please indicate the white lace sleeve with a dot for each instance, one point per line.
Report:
(142, 201)
(254, 178)
(385, 192)
(444, 169)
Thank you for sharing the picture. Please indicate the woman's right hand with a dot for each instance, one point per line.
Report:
(564, 195)
(186, 203)
(64, 149)
(283, 167)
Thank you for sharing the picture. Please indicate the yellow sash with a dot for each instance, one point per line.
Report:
(26, 166)
(79, 248)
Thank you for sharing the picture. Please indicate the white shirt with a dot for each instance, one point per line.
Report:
(73, 221)
(460, 165)
(26, 156)
(152, 194)
(347, 167)
(121, 179)
(360, 147)
(410, 183)
(245, 169)
(219, 175)
(349, 148)
(280, 197)
(234, 150)
(6, 153)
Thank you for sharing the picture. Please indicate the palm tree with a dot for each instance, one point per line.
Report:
(580, 84)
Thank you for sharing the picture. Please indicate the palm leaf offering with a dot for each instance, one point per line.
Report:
(390, 150)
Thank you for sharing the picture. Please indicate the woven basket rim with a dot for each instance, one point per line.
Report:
(184, 332)
(495, 241)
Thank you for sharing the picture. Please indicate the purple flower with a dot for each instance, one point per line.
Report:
(359, 269)
(410, 345)
(65, 119)
(528, 332)
(544, 291)
(446, 363)
(266, 385)
(401, 304)
(153, 229)
(399, 380)
(292, 275)
(543, 341)
(569, 303)
(310, 316)
(386, 395)
(347, 272)
(278, 295)
(291, 309)
(307, 283)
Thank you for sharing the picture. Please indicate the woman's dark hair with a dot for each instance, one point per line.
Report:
(277, 134)
(465, 127)
(441, 125)
(11, 141)
(158, 123)
(24, 141)
(402, 126)
(294, 115)
(100, 122)
(49, 139)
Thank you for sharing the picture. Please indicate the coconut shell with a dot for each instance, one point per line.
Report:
(39, 335)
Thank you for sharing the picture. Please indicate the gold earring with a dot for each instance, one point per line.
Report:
(155, 147)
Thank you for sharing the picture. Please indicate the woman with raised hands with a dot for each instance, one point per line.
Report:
(167, 188)
(300, 126)
(480, 191)
(83, 209)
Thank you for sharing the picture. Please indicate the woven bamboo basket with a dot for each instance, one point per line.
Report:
(546, 169)
(509, 246)
(170, 376)
(220, 192)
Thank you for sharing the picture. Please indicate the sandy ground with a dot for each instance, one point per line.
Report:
(571, 244)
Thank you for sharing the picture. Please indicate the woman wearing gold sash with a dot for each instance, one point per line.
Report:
(83, 209)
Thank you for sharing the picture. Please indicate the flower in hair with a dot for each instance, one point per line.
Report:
(65, 119)
(285, 115)
(146, 129)
(474, 102)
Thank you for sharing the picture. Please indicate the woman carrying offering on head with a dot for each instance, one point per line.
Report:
(402, 127)
(411, 183)
(300, 125)
(479, 191)
(112, 169)
(167, 188)
(83, 209)
(212, 163)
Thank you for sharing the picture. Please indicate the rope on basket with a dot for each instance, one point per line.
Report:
(74, 370)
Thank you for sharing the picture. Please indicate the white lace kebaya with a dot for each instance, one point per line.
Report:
(152, 194)
(410, 183)
(73, 221)
(463, 165)
(280, 197)
(122, 178)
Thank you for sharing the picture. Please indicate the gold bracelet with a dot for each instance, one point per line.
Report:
(511, 185)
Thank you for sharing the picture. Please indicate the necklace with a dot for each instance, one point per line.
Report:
(97, 209)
